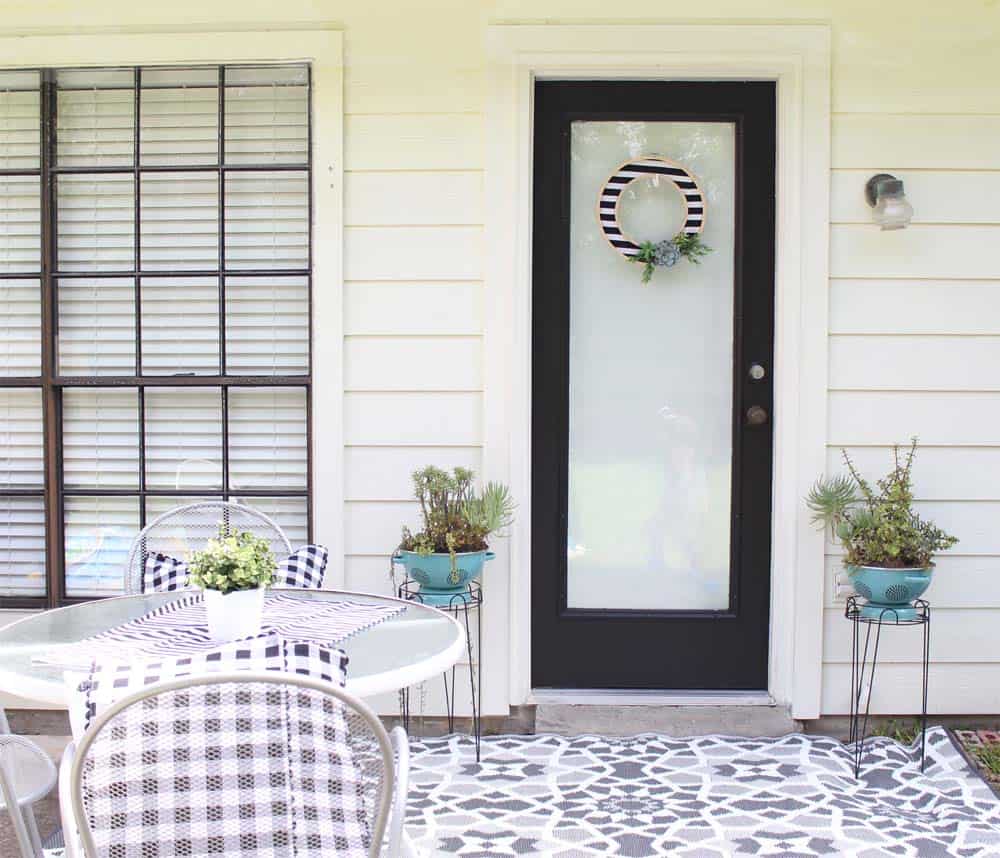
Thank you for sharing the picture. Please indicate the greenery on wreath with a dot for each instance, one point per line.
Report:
(456, 518)
(667, 253)
(877, 525)
(234, 560)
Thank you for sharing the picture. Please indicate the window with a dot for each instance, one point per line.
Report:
(155, 278)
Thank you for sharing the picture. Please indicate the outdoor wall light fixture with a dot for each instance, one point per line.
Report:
(890, 208)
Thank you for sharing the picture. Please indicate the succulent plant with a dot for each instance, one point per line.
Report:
(665, 253)
(877, 525)
(456, 517)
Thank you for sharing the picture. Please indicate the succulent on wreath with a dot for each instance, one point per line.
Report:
(667, 253)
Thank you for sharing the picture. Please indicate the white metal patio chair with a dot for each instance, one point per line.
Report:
(185, 529)
(240, 764)
(26, 776)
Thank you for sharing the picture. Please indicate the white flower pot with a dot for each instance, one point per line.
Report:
(234, 615)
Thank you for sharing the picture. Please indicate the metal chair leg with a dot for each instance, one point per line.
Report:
(32, 825)
(21, 831)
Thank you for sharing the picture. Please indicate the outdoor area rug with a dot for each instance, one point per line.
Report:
(709, 796)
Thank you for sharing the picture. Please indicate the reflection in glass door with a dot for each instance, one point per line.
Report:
(650, 375)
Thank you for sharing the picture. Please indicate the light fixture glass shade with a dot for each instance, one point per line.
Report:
(891, 210)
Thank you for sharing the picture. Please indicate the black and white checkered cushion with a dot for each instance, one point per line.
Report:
(303, 568)
(163, 573)
(110, 681)
(248, 769)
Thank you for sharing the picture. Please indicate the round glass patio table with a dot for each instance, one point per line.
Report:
(402, 650)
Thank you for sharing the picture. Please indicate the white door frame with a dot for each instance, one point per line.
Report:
(797, 57)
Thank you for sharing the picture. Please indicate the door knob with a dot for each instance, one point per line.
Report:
(756, 416)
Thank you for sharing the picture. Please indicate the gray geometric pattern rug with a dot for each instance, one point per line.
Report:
(709, 796)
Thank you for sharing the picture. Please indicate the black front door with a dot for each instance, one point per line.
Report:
(651, 401)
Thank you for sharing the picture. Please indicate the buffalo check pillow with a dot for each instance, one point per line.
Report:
(163, 573)
(303, 568)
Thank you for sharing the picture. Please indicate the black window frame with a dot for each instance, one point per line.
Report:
(52, 385)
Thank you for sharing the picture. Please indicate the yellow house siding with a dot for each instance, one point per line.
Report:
(914, 328)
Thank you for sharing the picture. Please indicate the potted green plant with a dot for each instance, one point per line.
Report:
(450, 549)
(889, 548)
(233, 570)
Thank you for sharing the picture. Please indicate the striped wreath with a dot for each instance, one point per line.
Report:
(685, 244)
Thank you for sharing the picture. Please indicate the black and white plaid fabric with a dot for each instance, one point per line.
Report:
(250, 769)
(327, 781)
(163, 573)
(111, 680)
(303, 568)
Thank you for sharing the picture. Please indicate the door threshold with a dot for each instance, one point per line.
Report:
(646, 697)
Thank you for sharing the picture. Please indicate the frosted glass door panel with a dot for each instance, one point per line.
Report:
(650, 379)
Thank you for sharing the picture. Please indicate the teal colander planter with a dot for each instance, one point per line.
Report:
(433, 572)
(889, 589)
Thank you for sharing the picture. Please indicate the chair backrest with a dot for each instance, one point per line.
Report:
(243, 764)
(185, 529)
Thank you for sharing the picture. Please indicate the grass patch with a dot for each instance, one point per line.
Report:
(903, 732)
(988, 756)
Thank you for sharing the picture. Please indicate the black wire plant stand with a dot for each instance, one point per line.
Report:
(862, 615)
(460, 606)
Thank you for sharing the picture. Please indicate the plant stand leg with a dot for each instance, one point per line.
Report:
(449, 698)
(926, 675)
(404, 708)
(475, 668)
(461, 608)
(853, 726)
(859, 667)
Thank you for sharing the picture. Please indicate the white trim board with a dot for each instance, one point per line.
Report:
(797, 57)
(323, 48)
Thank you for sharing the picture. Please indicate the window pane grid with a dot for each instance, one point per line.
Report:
(126, 171)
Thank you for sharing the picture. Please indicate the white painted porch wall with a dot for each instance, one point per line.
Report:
(914, 322)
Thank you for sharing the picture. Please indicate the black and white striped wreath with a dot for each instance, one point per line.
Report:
(659, 254)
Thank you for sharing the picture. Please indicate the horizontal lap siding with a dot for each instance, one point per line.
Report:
(915, 350)
(383, 473)
(413, 356)
(412, 363)
(956, 688)
(413, 211)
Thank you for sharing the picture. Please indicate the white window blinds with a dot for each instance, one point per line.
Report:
(179, 320)
(22, 536)
(22, 466)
